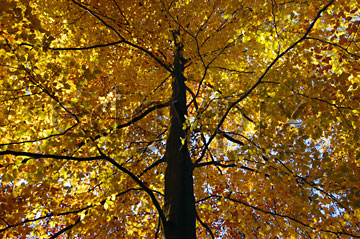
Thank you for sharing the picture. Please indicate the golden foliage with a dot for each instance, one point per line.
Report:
(273, 122)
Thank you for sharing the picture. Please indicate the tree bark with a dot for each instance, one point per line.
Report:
(179, 207)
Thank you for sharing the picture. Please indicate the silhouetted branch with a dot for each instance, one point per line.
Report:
(139, 182)
(207, 228)
(228, 137)
(288, 217)
(85, 47)
(65, 229)
(51, 156)
(335, 45)
(216, 164)
(142, 115)
(233, 70)
(156, 163)
(157, 229)
(40, 139)
(122, 39)
(222, 120)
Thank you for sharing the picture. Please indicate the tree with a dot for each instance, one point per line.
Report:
(179, 119)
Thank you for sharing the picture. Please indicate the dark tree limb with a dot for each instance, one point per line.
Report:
(86, 47)
(228, 137)
(207, 228)
(122, 39)
(65, 229)
(335, 45)
(337, 233)
(156, 163)
(139, 182)
(245, 95)
(44, 138)
(51, 156)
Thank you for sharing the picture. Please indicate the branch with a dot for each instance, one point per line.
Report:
(222, 120)
(205, 225)
(122, 39)
(206, 66)
(208, 197)
(77, 48)
(86, 47)
(52, 156)
(335, 45)
(216, 163)
(40, 139)
(140, 183)
(291, 173)
(321, 100)
(20, 96)
(131, 122)
(65, 229)
(275, 25)
(43, 217)
(233, 70)
(52, 214)
(149, 53)
(99, 18)
(33, 80)
(141, 116)
(157, 229)
(156, 163)
(288, 217)
(121, 12)
(228, 137)
(313, 185)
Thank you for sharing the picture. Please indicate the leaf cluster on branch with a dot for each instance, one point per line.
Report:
(90, 107)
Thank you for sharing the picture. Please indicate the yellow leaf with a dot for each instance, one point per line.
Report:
(82, 216)
(182, 140)
(227, 16)
(357, 213)
(272, 94)
(106, 205)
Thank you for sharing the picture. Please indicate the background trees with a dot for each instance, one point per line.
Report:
(90, 97)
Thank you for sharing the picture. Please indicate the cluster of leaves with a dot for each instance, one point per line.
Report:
(273, 116)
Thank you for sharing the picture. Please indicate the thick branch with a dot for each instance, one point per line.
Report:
(228, 137)
(222, 120)
(140, 183)
(51, 156)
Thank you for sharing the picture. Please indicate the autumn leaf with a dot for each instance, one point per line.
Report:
(179, 119)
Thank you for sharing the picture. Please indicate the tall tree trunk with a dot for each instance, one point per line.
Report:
(179, 207)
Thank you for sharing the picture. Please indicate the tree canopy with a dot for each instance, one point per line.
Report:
(179, 119)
